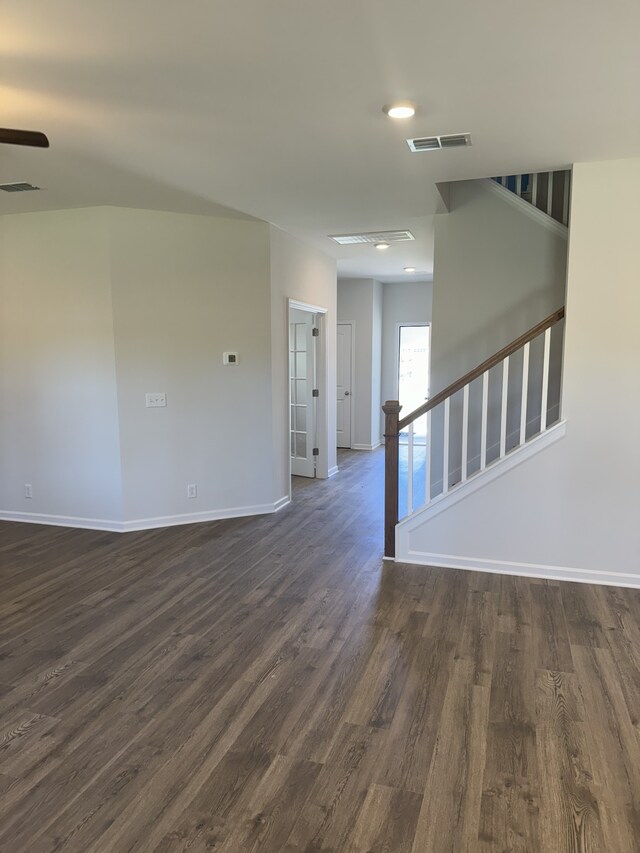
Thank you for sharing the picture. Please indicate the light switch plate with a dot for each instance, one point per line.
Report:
(229, 357)
(156, 400)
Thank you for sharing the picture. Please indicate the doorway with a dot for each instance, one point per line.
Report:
(414, 343)
(344, 368)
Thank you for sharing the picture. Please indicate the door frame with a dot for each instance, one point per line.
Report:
(322, 439)
(352, 356)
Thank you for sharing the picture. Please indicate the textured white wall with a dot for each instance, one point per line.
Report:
(58, 406)
(300, 272)
(575, 504)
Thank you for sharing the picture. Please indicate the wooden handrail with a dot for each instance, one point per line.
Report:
(393, 424)
(490, 362)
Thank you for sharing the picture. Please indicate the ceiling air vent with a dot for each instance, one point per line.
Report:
(19, 187)
(435, 143)
(373, 237)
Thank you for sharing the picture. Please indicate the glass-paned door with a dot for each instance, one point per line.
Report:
(302, 370)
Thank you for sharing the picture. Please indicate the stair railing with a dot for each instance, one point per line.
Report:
(548, 191)
(394, 425)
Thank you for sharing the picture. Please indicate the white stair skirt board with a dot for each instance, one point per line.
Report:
(476, 481)
(366, 446)
(529, 570)
(511, 441)
(143, 523)
(525, 207)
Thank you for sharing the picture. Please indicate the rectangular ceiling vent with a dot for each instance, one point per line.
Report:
(373, 237)
(19, 187)
(435, 143)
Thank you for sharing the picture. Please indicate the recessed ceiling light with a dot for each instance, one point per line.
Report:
(409, 269)
(401, 109)
(382, 246)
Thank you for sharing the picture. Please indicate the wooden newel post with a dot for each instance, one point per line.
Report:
(391, 410)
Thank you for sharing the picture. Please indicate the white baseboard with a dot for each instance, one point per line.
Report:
(366, 446)
(530, 570)
(332, 471)
(143, 523)
(63, 521)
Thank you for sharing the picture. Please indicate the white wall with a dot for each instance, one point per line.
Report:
(302, 273)
(58, 406)
(571, 510)
(100, 306)
(497, 272)
(185, 289)
(403, 302)
(360, 302)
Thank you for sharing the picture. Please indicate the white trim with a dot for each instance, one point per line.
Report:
(476, 481)
(525, 207)
(530, 570)
(143, 523)
(333, 471)
(366, 446)
(306, 306)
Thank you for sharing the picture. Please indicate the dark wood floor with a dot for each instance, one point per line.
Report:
(270, 685)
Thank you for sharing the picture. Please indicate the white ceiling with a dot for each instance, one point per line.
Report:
(273, 107)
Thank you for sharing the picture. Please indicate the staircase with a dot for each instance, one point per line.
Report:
(493, 417)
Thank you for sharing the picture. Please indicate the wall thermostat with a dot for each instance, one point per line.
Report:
(229, 357)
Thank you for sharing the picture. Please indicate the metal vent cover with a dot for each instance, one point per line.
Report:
(372, 237)
(436, 143)
(18, 187)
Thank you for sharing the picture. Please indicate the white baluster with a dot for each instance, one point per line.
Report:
(465, 431)
(550, 194)
(545, 380)
(525, 391)
(565, 200)
(410, 470)
(445, 448)
(534, 189)
(518, 185)
(503, 413)
(485, 417)
(427, 462)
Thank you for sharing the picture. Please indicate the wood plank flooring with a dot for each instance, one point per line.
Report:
(270, 684)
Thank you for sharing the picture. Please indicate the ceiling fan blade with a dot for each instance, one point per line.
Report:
(23, 137)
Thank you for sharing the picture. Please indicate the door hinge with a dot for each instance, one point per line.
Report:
(315, 393)
(316, 452)
(315, 332)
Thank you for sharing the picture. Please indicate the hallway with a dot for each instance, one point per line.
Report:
(269, 684)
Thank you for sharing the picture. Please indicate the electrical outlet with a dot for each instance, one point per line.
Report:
(192, 490)
(156, 400)
(28, 490)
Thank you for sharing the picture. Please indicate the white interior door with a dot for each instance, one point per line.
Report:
(302, 368)
(343, 372)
